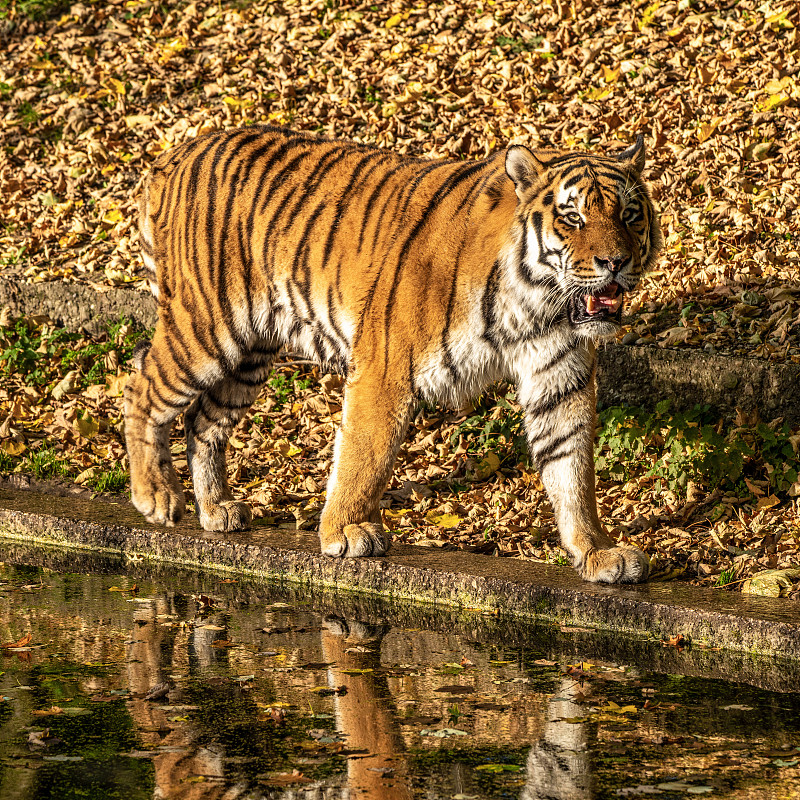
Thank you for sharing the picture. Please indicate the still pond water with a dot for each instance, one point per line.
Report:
(162, 684)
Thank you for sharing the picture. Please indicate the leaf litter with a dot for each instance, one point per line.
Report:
(89, 97)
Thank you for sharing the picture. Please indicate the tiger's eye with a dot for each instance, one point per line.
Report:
(573, 218)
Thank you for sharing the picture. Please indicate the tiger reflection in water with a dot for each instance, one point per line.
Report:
(187, 767)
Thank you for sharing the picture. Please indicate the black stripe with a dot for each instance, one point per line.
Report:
(566, 350)
(544, 462)
(487, 305)
(578, 383)
(551, 448)
(355, 181)
(447, 187)
(376, 191)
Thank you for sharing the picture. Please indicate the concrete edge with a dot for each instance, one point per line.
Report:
(562, 644)
(506, 587)
(627, 374)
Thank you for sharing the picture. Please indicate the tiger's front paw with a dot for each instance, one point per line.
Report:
(160, 503)
(615, 565)
(229, 515)
(355, 541)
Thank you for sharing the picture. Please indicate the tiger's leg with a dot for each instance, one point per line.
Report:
(154, 396)
(209, 422)
(561, 441)
(375, 418)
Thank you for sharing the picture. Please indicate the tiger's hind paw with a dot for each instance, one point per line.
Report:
(356, 541)
(229, 515)
(615, 565)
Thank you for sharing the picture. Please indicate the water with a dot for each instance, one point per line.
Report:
(198, 687)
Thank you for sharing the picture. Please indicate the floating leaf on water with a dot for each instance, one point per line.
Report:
(442, 733)
(499, 768)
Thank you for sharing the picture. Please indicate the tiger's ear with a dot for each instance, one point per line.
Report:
(635, 155)
(522, 167)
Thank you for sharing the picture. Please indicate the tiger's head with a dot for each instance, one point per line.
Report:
(588, 230)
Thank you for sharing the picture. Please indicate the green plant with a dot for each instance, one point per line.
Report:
(286, 386)
(496, 425)
(518, 45)
(33, 9)
(37, 355)
(26, 350)
(676, 448)
(28, 115)
(115, 480)
(46, 463)
(726, 577)
(6, 463)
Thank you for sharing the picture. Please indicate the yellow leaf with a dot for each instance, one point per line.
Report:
(445, 520)
(774, 101)
(649, 14)
(118, 276)
(115, 384)
(13, 448)
(393, 21)
(286, 448)
(173, 47)
(117, 86)
(598, 93)
(113, 216)
(138, 120)
(86, 475)
(708, 129)
(773, 87)
(610, 75)
(779, 20)
(767, 502)
(484, 468)
(87, 426)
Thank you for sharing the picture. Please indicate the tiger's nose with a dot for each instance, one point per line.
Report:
(613, 264)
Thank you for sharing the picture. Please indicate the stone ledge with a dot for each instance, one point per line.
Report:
(506, 587)
(627, 375)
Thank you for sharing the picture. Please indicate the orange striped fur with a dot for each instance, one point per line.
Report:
(417, 279)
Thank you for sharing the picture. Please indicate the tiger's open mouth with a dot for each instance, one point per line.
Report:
(601, 306)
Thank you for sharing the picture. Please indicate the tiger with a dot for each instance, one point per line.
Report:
(420, 280)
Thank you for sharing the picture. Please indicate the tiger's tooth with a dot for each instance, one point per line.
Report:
(591, 303)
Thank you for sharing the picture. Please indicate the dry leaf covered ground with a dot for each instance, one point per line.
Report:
(90, 93)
